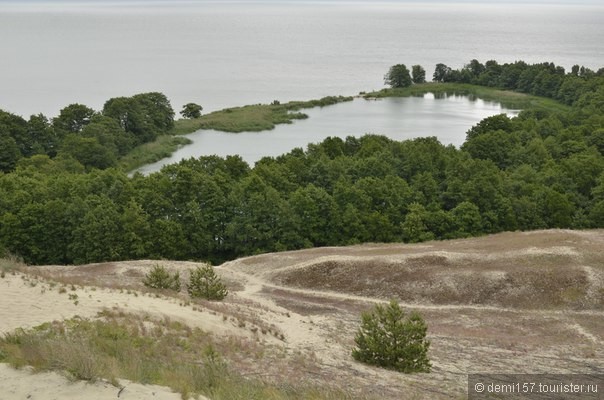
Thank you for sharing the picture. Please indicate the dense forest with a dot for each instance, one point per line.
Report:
(62, 201)
(79, 134)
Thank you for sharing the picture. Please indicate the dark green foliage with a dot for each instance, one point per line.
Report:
(44, 139)
(14, 140)
(490, 124)
(191, 110)
(442, 73)
(144, 115)
(160, 278)
(9, 153)
(398, 76)
(92, 139)
(206, 284)
(110, 135)
(542, 169)
(418, 74)
(87, 151)
(544, 79)
(391, 339)
(73, 118)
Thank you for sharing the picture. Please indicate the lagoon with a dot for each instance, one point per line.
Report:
(399, 118)
(222, 54)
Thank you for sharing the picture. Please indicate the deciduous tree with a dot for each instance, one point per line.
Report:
(418, 74)
(398, 76)
(191, 110)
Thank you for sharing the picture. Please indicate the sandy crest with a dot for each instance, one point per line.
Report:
(26, 306)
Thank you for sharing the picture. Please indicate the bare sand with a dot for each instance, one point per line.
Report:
(23, 384)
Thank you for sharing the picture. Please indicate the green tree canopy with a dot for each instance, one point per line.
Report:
(418, 74)
(9, 153)
(398, 76)
(442, 73)
(73, 118)
(191, 110)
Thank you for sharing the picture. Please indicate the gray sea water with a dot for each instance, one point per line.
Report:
(223, 54)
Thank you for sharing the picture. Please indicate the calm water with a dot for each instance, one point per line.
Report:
(398, 118)
(221, 54)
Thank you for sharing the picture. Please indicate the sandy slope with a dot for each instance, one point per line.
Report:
(19, 384)
(27, 302)
(313, 298)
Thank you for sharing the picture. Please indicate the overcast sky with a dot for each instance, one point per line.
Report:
(599, 3)
(315, 1)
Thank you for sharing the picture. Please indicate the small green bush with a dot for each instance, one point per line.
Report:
(206, 284)
(388, 338)
(160, 278)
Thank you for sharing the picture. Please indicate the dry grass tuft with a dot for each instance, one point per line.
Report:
(152, 351)
(11, 264)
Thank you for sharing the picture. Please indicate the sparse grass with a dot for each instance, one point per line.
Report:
(507, 98)
(242, 313)
(141, 349)
(523, 281)
(10, 264)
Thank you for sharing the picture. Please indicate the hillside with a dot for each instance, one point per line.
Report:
(512, 302)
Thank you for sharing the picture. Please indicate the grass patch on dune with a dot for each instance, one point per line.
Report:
(543, 281)
(140, 349)
(507, 98)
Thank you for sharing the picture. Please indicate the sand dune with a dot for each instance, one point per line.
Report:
(311, 301)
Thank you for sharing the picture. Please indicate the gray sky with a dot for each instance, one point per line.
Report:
(166, 2)
(319, 1)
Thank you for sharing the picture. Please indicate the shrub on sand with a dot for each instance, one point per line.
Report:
(160, 278)
(206, 284)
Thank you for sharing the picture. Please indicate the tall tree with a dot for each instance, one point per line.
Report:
(9, 153)
(441, 73)
(398, 76)
(191, 110)
(418, 74)
(73, 118)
